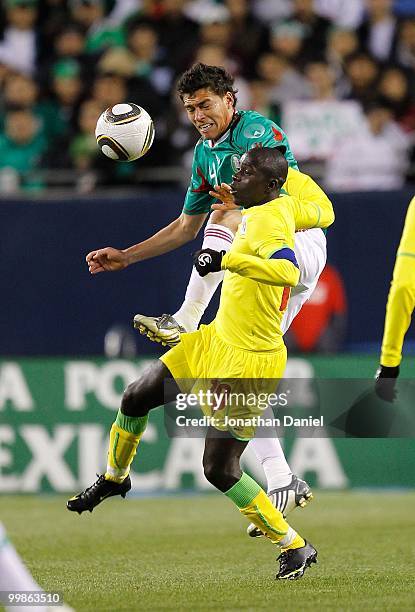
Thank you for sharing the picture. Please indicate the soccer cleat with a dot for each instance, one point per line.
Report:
(96, 493)
(295, 561)
(285, 499)
(164, 329)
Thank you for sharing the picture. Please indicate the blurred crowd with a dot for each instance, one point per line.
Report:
(338, 75)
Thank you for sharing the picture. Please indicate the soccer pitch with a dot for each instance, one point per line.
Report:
(191, 553)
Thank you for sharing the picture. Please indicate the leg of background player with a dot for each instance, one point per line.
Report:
(269, 450)
(310, 251)
(200, 290)
(219, 234)
(14, 576)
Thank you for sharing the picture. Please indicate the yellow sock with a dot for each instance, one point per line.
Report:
(254, 503)
(125, 435)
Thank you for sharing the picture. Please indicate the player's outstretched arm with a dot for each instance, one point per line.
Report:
(107, 259)
(181, 230)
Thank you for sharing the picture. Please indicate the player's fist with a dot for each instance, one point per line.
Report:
(106, 260)
(385, 382)
(207, 260)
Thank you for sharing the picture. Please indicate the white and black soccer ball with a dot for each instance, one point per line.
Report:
(124, 132)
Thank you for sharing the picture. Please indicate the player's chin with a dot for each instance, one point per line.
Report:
(211, 134)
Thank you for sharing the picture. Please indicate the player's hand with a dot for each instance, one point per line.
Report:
(106, 260)
(207, 260)
(385, 382)
(223, 193)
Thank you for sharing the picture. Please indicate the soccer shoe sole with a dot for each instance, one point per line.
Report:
(147, 326)
(299, 572)
(253, 531)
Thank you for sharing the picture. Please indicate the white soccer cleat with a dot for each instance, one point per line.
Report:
(285, 499)
(164, 329)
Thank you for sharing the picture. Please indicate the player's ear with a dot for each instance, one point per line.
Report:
(229, 99)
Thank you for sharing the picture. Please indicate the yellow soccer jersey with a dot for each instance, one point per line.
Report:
(401, 300)
(256, 288)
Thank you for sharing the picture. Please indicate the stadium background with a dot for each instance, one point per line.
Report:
(66, 342)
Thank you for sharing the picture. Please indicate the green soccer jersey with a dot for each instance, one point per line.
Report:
(216, 163)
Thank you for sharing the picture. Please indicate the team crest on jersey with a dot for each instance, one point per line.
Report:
(254, 130)
(236, 163)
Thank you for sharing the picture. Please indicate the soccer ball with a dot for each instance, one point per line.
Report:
(124, 132)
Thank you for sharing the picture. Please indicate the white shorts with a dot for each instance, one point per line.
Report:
(311, 253)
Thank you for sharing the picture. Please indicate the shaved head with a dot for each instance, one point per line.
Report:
(262, 173)
(270, 161)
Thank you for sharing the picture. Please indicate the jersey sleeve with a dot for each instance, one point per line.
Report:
(258, 131)
(198, 200)
(312, 208)
(401, 299)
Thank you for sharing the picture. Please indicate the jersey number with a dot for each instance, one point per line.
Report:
(285, 297)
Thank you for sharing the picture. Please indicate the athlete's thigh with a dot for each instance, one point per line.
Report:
(311, 253)
(148, 391)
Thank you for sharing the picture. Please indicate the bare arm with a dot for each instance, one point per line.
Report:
(181, 230)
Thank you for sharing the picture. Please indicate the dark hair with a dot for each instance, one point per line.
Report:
(202, 76)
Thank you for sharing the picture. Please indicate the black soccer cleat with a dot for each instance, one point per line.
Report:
(96, 493)
(295, 561)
